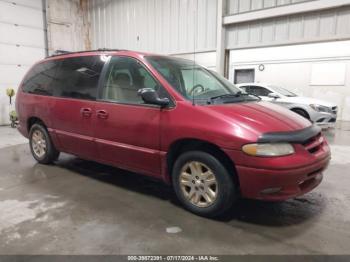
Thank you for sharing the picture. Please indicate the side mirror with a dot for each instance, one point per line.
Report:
(273, 95)
(150, 96)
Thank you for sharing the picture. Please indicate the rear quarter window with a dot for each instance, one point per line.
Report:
(76, 77)
(39, 79)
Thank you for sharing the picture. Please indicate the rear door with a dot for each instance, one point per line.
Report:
(127, 130)
(75, 90)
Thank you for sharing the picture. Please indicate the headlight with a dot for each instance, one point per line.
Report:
(320, 108)
(277, 149)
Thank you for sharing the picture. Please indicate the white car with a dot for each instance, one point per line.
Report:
(318, 111)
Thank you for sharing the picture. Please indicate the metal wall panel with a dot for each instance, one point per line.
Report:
(243, 6)
(207, 59)
(162, 26)
(68, 26)
(22, 44)
(20, 35)
(21, 15)
(27, 3)
(332, 24)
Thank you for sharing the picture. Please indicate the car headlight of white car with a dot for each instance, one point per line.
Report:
(320, 108)
(268, 149)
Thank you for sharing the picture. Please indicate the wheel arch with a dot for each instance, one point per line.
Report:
(191, 144)
(296, 108)
(51, 152)
(34, 120)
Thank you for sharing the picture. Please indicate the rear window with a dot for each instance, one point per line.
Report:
(72, 78)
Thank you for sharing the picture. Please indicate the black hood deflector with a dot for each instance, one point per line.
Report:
(298, 137)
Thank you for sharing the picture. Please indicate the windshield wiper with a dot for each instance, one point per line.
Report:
(238, 94)
(246, 94)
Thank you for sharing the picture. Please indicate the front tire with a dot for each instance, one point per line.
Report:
(41, 145)
(202, 184)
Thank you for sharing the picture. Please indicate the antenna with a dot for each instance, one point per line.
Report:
(195, 11)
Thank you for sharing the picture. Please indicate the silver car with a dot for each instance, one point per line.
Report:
(320, 112)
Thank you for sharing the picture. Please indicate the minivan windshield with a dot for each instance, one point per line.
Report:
(197, 83)
(282, 91)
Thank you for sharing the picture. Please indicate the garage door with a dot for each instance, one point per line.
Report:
(22, 42)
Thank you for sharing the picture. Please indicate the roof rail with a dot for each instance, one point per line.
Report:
(59, 52)
(110, 49)
(64, 52)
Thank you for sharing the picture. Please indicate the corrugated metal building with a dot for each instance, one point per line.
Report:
(302, 44)
(178, 27)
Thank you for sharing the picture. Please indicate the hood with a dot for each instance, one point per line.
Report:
(260, 117)
(306, 101)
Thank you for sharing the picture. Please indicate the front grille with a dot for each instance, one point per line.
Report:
(332, 120)
(314, 144)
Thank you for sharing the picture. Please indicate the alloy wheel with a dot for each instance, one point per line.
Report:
(198, 184)
(39, 143)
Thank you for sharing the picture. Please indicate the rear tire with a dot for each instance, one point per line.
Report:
(41, 145)
(203, 185)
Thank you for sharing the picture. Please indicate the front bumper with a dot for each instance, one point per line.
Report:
(323, 119)
(281, 178)
(279, 185)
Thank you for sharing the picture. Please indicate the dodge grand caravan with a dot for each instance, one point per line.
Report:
(171, 119)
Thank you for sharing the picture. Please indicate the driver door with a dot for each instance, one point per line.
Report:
(127, 130)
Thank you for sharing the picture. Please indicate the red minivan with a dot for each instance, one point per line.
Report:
(171, 119)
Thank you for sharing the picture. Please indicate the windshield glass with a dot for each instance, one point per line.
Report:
(193, 81)
(282, 91)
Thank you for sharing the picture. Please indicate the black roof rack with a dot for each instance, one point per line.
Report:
(64, 52)
(110, 49)
(60, 52)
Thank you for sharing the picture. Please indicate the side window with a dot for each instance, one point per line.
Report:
(39, 79)
(245, 89)
(124, 77)
(259, 91)
(78, 77)
(148, 80)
